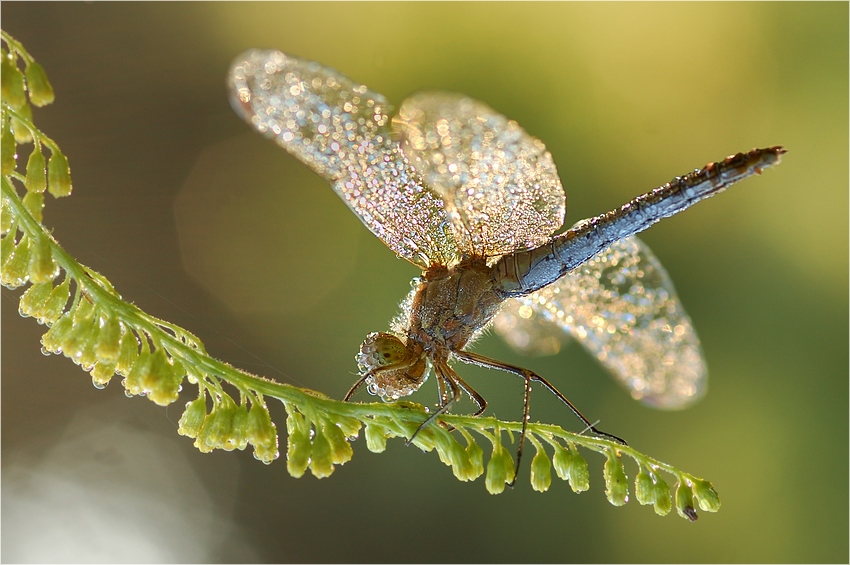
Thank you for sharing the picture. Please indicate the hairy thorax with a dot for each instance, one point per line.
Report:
(451, 305)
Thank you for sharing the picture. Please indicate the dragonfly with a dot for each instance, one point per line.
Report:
(468, 196)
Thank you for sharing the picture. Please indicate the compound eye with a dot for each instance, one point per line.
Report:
(380, 349)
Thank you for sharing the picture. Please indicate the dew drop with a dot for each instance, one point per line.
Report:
(45, 352)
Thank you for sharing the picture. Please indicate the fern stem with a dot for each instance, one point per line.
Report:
(16, 46)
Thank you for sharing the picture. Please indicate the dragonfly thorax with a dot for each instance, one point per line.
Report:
(450, 306)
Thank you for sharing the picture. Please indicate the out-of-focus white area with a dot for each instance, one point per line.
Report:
(110, 493)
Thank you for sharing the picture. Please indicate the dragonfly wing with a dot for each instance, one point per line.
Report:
(499, 184)
(529, 330)
(340, 129)
(622, 307)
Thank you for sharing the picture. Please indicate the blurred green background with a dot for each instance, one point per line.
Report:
(203, 223)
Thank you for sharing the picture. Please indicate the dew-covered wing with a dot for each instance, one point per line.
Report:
(340, 129)
(499, 184)
(621, 306)
(529, 330)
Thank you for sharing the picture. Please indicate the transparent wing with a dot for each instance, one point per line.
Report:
(621, 306)
(339, 128)
(528, 331)
(500, 186)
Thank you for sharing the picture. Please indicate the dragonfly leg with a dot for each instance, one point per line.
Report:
(356, 386)
(444, 394)
(444, 399)
(525, 417)
(530, 376)
(473, 394)
(526, 375)
(372, 373)
(440, 372)
(454, 381)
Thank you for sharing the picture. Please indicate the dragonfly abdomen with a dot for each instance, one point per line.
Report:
(525, 272)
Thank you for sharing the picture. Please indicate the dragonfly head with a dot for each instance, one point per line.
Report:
(393, 368)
